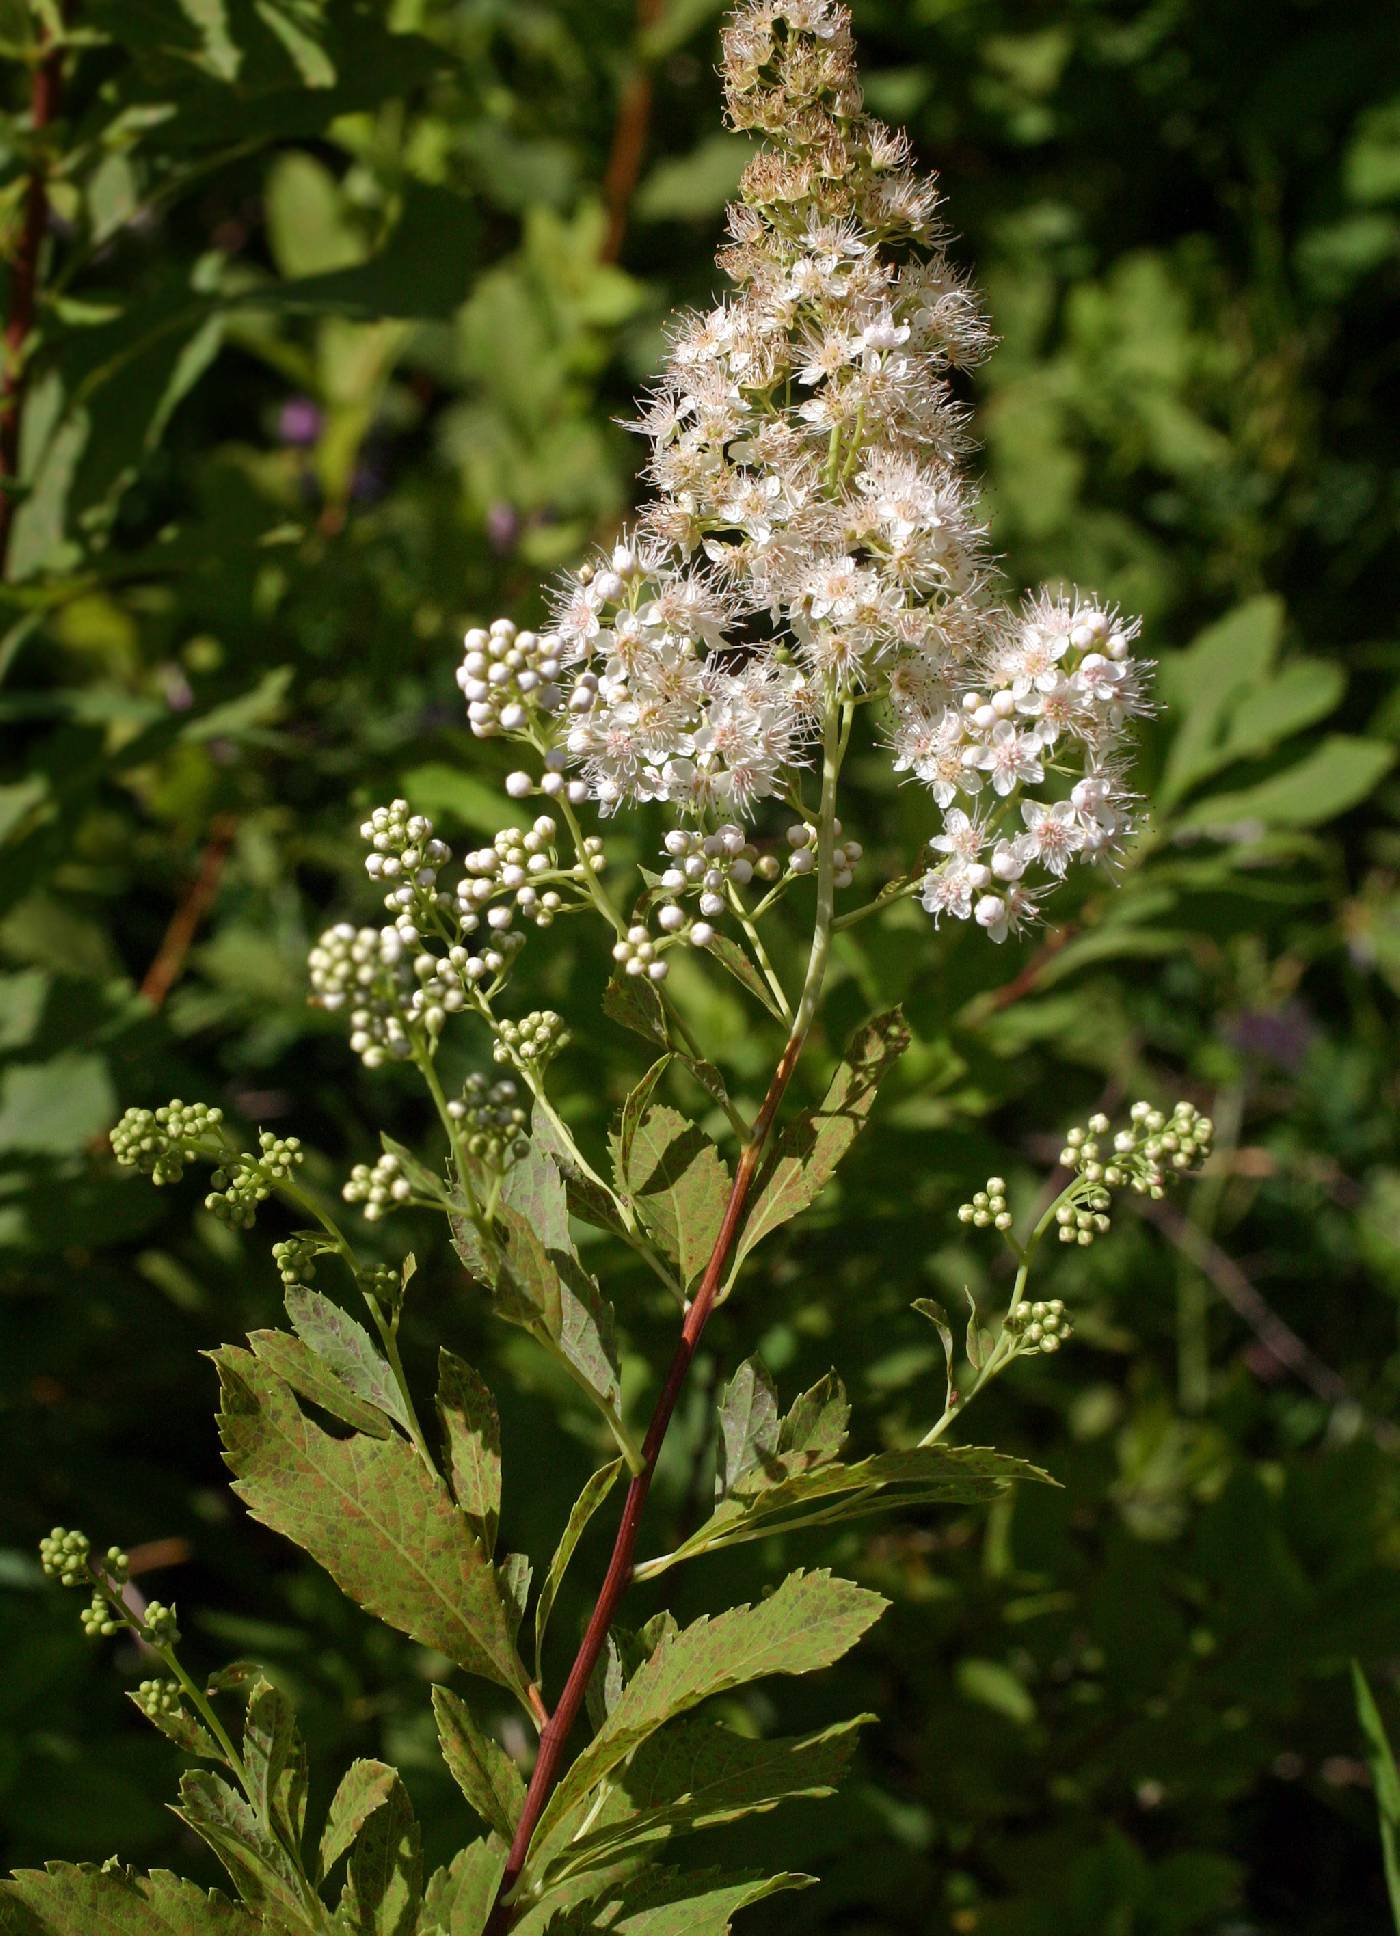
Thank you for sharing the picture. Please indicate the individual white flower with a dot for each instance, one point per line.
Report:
(947, 891)
(1054, 835)
(963, 837)
(1010, 757)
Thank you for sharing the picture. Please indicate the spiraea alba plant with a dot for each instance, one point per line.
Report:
(810, 568)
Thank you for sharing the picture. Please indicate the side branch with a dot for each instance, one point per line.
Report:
(45, 98)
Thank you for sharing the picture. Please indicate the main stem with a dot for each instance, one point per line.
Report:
(618, 1578)
(44, 100)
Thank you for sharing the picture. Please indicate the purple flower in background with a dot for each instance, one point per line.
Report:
(502, 527)
(1282, 1035)
(299, 422)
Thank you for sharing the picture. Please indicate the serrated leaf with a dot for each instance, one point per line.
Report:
(345, 1346)
(481, 1768)
(459, 1898)
(261, 1869)
(978, 1343)
(629, 1118)
(814, 1429)
(632, 1001)
(308, 1374)
(384, 1887)
(938, 1318)
(468, 1244)
(679, 1184)
(656, 1902)
(809, 1622)
(695, 1775)
(364, 1787)
(189, 1735)
(275, 1758)
(372, 1514)
(544, 1287)
(471, 1436)
(833, 1493)
(587, 1198)
(67, 1899)
(731, 957)
(600, 1484)
(809, 1149)
(748, 1425)
(514, 1574)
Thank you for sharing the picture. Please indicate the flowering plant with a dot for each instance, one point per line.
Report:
(809, 570)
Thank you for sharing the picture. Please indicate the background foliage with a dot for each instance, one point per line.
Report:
(336, 323)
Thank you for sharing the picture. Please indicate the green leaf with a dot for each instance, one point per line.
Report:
(261, 1869)
(659, 1902)
(189, 1735)
(384, 1887)
(1335, 774)
(1231, 657)
(364, 1787)
(680, 1186)
(1386, 1782)
(346, 1348)
(372, 1514)
(471, 1437)
(695, 1775)
(748, 1426)
(274, 1755)
(688, 187)
(65, 1899)
(481, 1768)
(809, 1622)
(599, 1485)
(426, 1183)
(632, 1001)
(459, 1898)
(829, 1494)
(513, 1574)
(588, 1199)
(731, 957)
(938, 1318)
(308, 1374)
(814, 1430)
(544, 1287)
(808, 1151)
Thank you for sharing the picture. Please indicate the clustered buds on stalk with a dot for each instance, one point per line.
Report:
(160, 1142)
(493, 1123)
(241, 1186)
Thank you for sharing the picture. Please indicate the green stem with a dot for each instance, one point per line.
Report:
(613, 915)
(760, 953)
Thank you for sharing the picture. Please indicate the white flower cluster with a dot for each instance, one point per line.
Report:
(1062, 687)
(812, 536)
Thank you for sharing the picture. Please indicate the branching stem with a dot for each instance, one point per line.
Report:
(618, 1578)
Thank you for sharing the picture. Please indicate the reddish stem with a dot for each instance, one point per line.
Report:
(629, 140)
(45, 97)
(619, 1574)
(185, 923)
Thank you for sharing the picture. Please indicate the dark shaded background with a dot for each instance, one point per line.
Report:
(335, 330)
